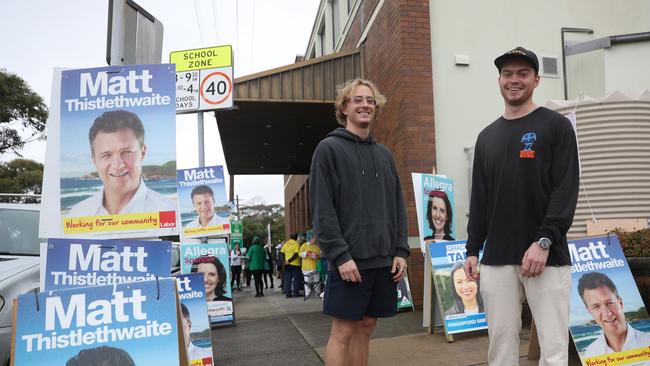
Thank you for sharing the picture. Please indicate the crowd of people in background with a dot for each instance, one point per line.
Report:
(297, 262)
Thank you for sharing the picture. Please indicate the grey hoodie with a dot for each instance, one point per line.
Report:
(356, 202)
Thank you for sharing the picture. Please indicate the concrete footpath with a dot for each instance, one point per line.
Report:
(274, 330)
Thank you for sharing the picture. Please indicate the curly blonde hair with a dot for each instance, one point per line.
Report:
(344, 91)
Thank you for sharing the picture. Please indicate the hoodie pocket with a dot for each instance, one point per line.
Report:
(375, 239)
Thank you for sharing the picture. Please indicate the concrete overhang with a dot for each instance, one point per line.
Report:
(280, 115)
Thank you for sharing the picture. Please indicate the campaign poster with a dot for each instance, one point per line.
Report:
(212, 260)
(70, 263)
(434, 202)
(236, 233)
(117, 156)
(609, 322)
(125, 324)
(404, 298)
(204, 207)
(196, 324)
(459, 298)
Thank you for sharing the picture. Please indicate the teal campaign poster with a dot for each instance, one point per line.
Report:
(457, 295)
(117, 161)
(212, 260)
(404, 298)
(196, 323)
(69, 263)
(204, 207)
(609, 322)
(125, 324)
(434, 202)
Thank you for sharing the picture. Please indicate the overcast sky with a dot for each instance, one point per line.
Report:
(36, 36)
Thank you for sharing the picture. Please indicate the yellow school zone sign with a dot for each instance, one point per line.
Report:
(202, 58)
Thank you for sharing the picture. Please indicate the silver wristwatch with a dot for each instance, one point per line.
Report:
(544, 243)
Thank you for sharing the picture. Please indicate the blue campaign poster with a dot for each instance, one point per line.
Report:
(126, 324)
(81, 263)
(434, 203)
(457, 296)
(196, 323)
(212, 260)
(117, 160)
(608, 322)
(204, 207)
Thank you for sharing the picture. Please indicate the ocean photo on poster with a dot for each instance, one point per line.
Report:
(75, 190)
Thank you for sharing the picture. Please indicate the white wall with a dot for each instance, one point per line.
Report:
(627, 67)
(466, 98)
(586, 74)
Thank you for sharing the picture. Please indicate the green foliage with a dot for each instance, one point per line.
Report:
(19, 105)
(634, 243)
(640, 314)
(167, 170)
(21, 176)
(256, 217)
(445, 289)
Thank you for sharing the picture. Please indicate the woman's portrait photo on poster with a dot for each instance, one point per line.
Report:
(439, 216)
(214, 276)
(466, 292)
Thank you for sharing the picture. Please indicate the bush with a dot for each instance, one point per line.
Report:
(634, 243)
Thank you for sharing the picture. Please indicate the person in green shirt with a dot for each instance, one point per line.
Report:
(256, 256)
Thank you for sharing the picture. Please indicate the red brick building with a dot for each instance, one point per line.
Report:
(394, 38)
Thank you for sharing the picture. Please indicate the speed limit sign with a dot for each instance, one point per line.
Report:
(216, 89)
(203, 78)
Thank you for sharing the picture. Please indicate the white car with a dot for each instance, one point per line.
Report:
(19, 263)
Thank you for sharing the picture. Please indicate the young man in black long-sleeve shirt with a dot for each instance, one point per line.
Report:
(524, 194)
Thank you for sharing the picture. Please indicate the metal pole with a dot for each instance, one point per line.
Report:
(204, 239)
(201, 139)
(237, 203)
(116, 36)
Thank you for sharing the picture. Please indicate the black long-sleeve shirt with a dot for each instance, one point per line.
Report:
(524, 187)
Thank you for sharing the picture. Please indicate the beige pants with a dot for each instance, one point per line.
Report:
(503, 289)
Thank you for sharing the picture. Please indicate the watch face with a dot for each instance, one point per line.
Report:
(544, 243)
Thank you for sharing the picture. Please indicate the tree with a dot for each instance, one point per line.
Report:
(256, 217)
(21, 176)
(19, 105)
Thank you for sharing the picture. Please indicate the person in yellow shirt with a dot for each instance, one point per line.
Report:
(310, 254)
(292, 263)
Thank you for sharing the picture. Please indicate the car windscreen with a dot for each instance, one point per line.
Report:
(19, 232)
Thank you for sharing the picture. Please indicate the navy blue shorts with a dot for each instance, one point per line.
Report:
(374, 296)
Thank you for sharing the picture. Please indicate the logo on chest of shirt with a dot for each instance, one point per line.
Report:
(527, 141)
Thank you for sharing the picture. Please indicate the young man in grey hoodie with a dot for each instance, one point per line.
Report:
(359, 218)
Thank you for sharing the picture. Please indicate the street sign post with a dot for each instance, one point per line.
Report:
(204, 79)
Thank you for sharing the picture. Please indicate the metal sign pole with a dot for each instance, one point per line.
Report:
(199, 115)
(116, 32)
(201, 139)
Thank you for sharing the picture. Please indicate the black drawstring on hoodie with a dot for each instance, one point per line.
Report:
(374, 159)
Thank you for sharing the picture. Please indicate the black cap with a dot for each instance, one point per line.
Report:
(518, 53)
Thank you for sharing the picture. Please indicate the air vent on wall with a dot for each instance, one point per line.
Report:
(549, 67)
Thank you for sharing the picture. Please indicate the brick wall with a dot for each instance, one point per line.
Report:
(397, 54)
(296, 204)
(397, 57)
